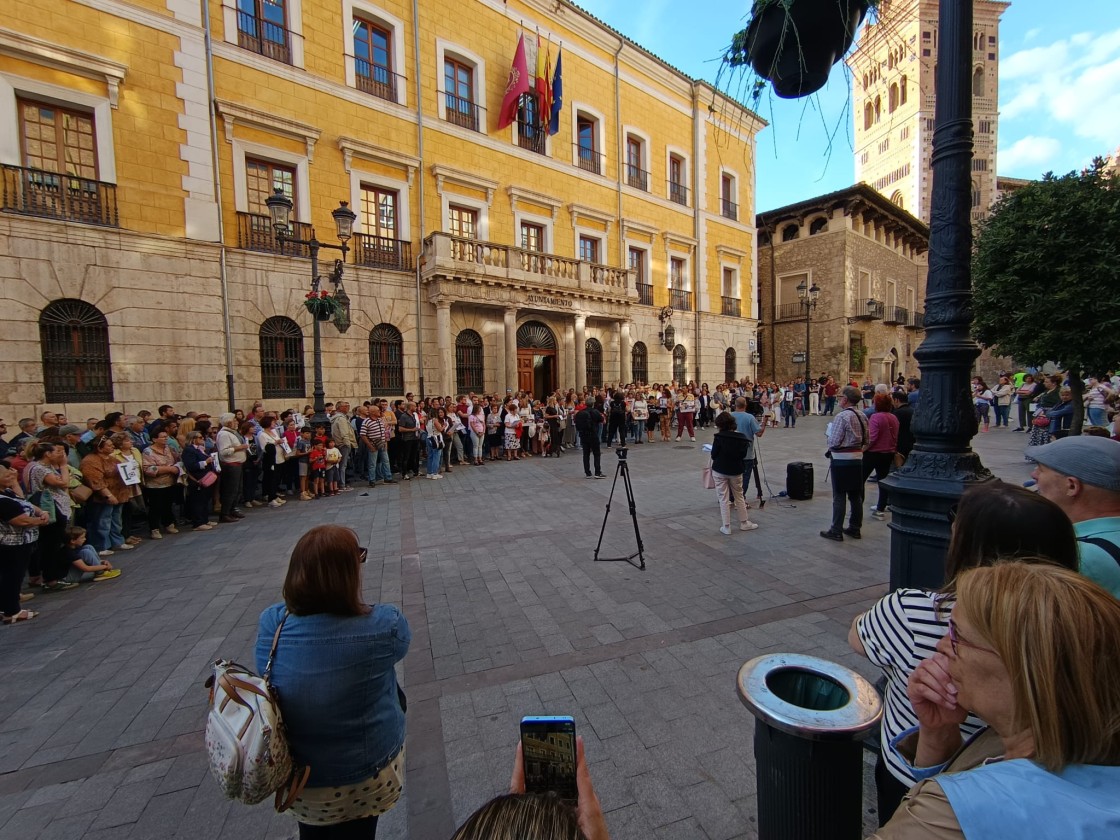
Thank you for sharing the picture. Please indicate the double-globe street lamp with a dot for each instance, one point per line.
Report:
(807, 295)
(280, 209)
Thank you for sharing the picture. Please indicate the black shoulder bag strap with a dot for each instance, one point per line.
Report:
(1112, 549)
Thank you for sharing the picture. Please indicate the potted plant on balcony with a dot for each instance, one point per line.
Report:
(794, 43)
(322, 306)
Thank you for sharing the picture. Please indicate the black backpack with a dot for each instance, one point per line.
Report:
(584, 421)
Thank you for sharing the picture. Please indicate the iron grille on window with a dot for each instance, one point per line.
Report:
(386, 360)
(680, 359)
(729, 365)
(376, 80)
(36, 192)
(639, 362)
(468, 361)
(637, 177)
(270, 38)
(680, 299)
(645, 294)
(74, 341)
(594, 352)
(461, 111)
(729, 209)
(281, 359)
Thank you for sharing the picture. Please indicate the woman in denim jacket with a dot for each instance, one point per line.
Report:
(334, 675)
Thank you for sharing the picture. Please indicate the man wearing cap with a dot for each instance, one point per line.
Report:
(1081, 475)
(71, 435)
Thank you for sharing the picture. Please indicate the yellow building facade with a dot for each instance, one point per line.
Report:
(140, 139)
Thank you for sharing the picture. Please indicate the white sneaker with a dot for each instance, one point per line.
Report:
(432, 476)
(748, 526)
(275, 503)
(172, 529)
(725, 529)
(156, 535)
(878, 514)
(123, 547)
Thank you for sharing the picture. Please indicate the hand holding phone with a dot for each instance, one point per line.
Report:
(588, 810)
(548, 749)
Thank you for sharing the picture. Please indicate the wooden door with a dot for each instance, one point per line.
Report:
(525, 370)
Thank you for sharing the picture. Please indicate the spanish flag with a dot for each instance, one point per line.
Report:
(544, 93)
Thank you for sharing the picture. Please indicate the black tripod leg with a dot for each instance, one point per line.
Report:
(610, 498)
(633, 513)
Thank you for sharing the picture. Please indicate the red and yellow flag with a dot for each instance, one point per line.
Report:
(543, 89)
(518, 84)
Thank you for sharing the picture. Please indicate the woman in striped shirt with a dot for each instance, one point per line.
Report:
(994, 521)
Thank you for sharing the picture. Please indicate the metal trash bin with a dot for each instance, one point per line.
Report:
(811, 716)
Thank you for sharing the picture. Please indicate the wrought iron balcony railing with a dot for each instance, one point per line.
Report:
(868, 310)
(54, 195)
(790, 312)
(589, 160)
(729, 209)
(531, 136)
(255, 233)
(637, 177)
(894, 315)
(461, 111)
(678, 193)
(645, 294)
(376, 80)
(382, 252)
(732, 306)
(264, 37)
(680, 299)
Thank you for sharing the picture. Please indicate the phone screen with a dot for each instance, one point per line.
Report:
(548, 747)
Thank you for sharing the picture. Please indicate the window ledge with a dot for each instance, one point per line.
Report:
(232, 113)
(70, 60)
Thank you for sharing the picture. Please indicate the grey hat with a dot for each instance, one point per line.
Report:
(70, 429)
(1088, 458)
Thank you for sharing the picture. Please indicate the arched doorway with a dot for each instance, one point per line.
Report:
(536, 359)
(890, 367)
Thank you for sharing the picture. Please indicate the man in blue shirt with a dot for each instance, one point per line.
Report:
(747, 424)
(913, 389)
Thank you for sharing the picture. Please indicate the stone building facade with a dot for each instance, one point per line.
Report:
(894, 68)
(138, 264)
(867, 258)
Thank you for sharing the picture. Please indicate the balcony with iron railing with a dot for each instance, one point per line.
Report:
(461, 111)
(729, 209)
(531, 136)
(680, 299)
(678, 193)
(637, 177)
(264, 37)
(54, 195)
(376, 80)
(917, 321)
(382, 252)
(255, 233)
(868, 309)
(589, 160)
(453, 256)
(896, 315)
(645, 294)
(732, 306)
(790, 312)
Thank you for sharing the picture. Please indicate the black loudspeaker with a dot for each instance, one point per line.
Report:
(799, 480)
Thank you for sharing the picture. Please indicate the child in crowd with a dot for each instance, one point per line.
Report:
(300, 451)
(334, 459)
(85, 565)
(316, 466)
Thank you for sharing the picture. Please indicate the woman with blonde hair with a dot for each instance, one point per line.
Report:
(1031, 650)
(186, 426)
(333, 671)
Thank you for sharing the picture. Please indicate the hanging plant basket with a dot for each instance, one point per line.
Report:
(322, 307)
(794, 43)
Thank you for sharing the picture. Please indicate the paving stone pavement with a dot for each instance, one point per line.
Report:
(101, 698)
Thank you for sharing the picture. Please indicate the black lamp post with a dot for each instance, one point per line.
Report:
(807, 295)
(668, 335)
(942, 464)
(280, 208)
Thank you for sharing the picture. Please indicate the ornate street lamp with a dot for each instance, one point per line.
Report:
(280, 209)
(807, 296)
(942, 463)
(668, 335)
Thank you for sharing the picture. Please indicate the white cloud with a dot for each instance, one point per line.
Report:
(1031, 155)
(1069, 86)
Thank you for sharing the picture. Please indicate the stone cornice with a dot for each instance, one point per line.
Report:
(518, 194)
(67, 59)
(351, 148)
(233, 113)
(448, 175)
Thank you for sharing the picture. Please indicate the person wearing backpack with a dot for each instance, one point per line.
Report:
(333, 674)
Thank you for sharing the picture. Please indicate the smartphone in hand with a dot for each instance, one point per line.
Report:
(548, 750)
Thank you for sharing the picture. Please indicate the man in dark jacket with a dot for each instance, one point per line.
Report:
(905, 414)
(588, 420)
(617, 419)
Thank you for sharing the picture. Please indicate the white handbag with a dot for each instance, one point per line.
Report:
(245, 740)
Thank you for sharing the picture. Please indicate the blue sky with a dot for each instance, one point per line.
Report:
(1059, 89)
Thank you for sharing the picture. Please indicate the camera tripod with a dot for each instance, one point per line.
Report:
(622, 469)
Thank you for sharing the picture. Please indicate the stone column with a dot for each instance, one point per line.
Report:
(580, 367)
(616, 341)
(624, 352)
(446, 372)
(510, 316)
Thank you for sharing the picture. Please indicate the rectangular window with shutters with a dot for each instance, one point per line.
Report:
(458, 86)
(262, 177)
(58, 139)
(589, 249)
(587, 144)
(379, 212)
(532, 237)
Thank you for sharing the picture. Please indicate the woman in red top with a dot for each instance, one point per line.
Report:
(882, 444)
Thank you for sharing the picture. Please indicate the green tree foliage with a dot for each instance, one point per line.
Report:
(1046, 275)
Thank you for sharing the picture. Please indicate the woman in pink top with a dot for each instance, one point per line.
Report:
(882, 444)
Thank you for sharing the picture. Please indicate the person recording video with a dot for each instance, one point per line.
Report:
(747, 424)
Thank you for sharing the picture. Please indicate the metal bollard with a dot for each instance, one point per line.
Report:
(811, 716)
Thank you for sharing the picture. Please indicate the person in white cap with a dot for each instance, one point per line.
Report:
(1082, 476)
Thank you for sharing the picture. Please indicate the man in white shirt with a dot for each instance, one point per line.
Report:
(342, 433)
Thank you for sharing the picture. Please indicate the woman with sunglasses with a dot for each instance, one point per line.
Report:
(993, 522)
(334, 674)
(1031, 649)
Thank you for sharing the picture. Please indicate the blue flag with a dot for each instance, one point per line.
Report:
(557, 96)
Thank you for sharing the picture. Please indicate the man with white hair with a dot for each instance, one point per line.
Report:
(1081, 475)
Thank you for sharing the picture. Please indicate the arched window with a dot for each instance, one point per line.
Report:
(902, 91)
(892, 98)
(790, 232)
(897, 199)
(818, 225)
(386, 361)
(868, 116)
(975, 196)
(74, 341)
(468, 361)
(680, 368)
(281, 359)
(593, 351)
(978, 81)
(865, 81)
(729, 365)
(878, 108)
(639, 362)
